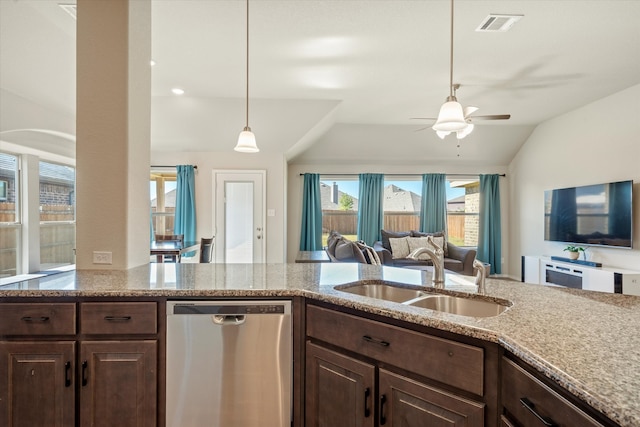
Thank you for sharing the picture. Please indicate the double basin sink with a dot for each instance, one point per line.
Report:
(425, 298)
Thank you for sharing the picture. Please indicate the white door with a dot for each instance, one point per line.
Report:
(239, 198)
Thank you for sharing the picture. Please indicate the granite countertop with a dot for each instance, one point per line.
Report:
(587, 342)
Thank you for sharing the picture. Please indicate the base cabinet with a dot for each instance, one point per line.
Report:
(37, 384)
(339, 389)
(528, 401)
(363, 376)
(109, 368)
(118, 383)
(406, 402)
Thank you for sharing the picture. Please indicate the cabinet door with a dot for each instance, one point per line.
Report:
(37, 384)
(339, 390)
(405, 402)
(118, 383)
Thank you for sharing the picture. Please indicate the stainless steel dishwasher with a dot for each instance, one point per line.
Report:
(229, 363)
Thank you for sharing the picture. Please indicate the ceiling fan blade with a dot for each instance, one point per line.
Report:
(491, 117)
(422, 118)
(469, 110)
(421, 129)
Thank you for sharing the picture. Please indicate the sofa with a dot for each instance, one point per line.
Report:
(341, 249)
(456, 258)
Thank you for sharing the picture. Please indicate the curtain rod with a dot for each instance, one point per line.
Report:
(169, 166)
(403, 174)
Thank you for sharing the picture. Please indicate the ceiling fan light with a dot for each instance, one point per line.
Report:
(247, 142)
(450, 118)
(466, 131)
(442, 133)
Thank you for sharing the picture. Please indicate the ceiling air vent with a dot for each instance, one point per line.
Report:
(498, 22)
(71, 9)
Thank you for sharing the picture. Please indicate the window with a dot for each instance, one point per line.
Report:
(162, 191)
(463, 207)
(9, 219)
(57, 215)
(339, 207)
(401, 204)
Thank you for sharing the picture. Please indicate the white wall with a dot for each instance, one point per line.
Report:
(295, 183)
(597, 143)
(274, 164)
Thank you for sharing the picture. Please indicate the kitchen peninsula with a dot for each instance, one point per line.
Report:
(584, 343)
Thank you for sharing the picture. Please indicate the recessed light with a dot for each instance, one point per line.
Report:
(152, 62)
(177, 91)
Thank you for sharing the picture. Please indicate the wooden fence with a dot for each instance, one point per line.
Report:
(346, 222)
(57, 238)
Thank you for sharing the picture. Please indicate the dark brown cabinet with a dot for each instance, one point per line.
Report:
(528, 401)
(37, 387)
(351, 379)
(340, 389)
(110, 364)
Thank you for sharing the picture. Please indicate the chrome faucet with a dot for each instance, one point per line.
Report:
(480, 276)
(437, 257)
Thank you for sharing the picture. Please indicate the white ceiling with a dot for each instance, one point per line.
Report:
(338, 81)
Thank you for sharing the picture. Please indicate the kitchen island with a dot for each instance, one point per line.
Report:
(585, 342)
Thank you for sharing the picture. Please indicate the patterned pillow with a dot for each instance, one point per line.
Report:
(415, 233)
(386, 235)
(422, 242)
(399, 247)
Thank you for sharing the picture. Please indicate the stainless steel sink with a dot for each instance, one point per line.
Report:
(458, 305)
(383, 291)
(420, 297)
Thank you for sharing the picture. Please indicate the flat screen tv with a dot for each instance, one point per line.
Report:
(599, 215)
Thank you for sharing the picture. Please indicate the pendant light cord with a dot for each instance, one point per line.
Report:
(247, 98)
(450, 56)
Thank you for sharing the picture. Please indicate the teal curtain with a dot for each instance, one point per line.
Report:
(370, 220)
(311, 230)
(433, 209)
(185, 221)
(489, 234)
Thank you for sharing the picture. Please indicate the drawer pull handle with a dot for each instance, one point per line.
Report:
(367, 338)
(367, 411)
(532, 408)
(383, 419)
(84, 373)
(117, 318)
(41, 319)
(67, 374)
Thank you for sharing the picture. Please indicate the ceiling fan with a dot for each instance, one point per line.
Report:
(452, 117)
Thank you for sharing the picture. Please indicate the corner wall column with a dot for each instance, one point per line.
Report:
(113, 132)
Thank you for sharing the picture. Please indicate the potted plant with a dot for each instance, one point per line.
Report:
(574, 251)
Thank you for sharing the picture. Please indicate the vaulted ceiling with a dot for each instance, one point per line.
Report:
(338, 81)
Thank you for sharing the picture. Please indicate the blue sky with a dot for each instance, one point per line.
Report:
(351, 187)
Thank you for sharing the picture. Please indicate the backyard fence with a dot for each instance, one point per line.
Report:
(346, 222)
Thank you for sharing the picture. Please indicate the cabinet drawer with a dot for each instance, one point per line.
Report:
(520, 387)
(449, 362)
(37, 319)
(118, 318)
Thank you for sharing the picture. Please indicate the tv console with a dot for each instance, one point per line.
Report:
(556, 271)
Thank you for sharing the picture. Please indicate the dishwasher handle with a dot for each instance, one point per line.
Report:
(228, 319)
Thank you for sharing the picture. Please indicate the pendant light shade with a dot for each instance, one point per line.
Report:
(450, 118)
(464, 132)
(247, 140)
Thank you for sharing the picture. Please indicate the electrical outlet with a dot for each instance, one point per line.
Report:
(102, 257)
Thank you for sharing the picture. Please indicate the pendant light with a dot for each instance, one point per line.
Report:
(247, 140)
(451, 116)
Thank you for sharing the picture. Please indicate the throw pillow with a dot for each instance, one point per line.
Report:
(386, 235)
(348, 251)
(415, 233)
(422, 242)
(399, 247)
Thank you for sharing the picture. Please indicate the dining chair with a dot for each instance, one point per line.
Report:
(206, 249)
(170, 238)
